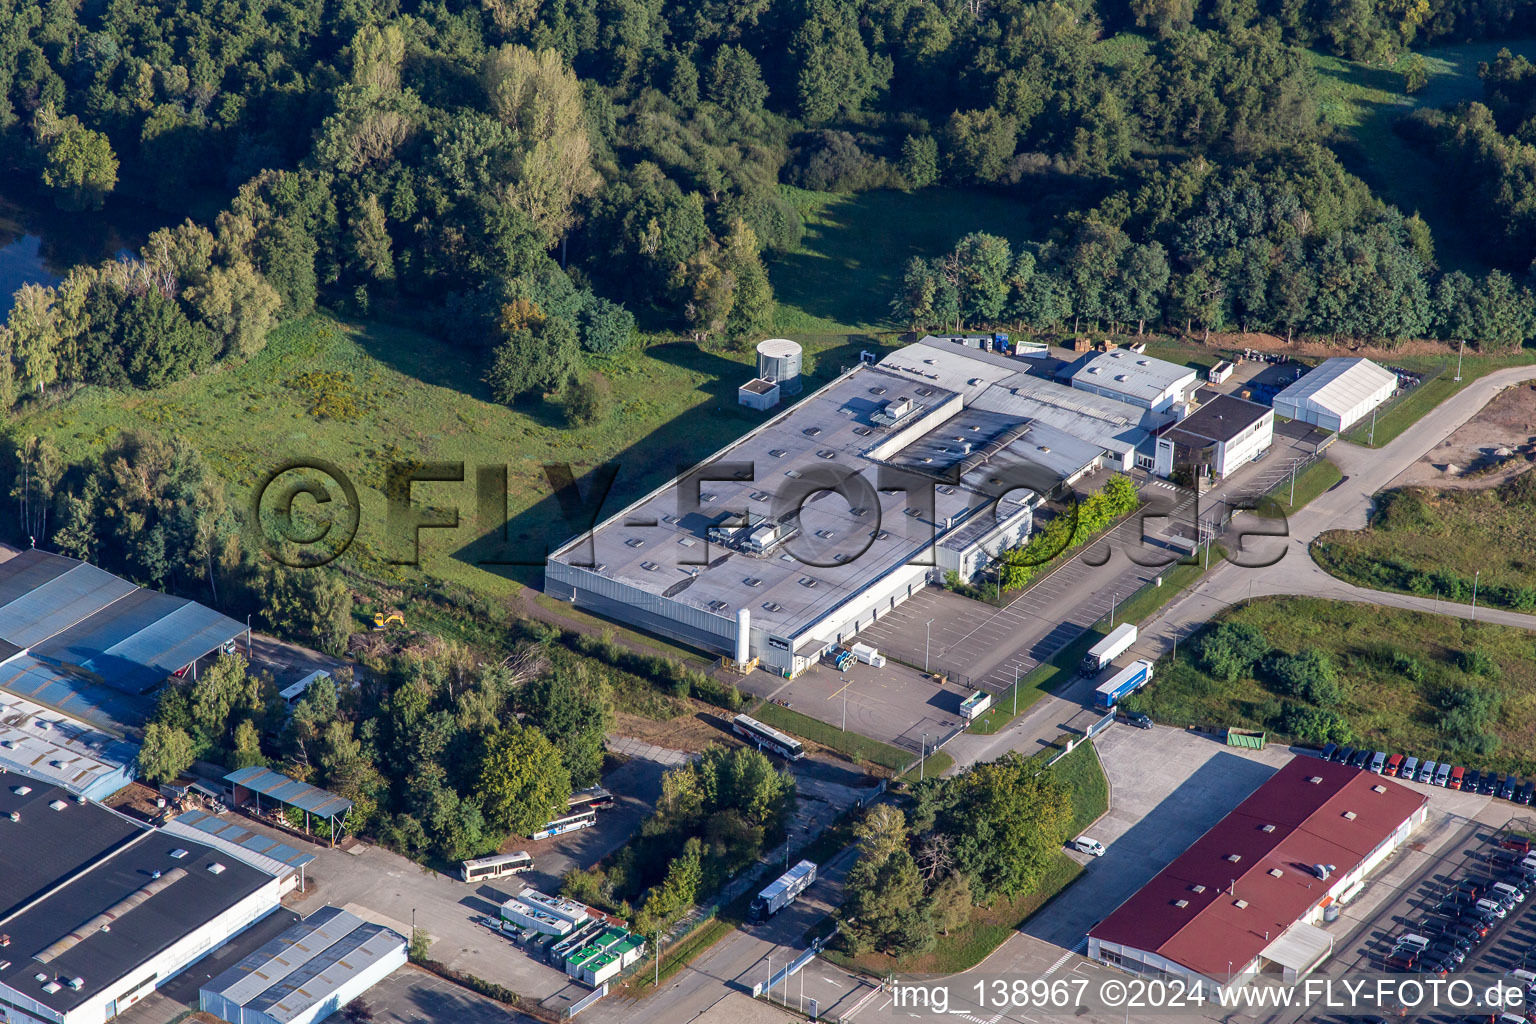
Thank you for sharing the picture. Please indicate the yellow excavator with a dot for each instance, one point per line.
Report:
(383, 621)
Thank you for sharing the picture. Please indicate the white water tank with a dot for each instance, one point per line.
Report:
(743, 635)
(778, 359)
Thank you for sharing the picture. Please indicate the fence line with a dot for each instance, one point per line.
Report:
(586, 1001)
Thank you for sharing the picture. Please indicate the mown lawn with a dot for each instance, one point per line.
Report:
(1436, 542)
(849, 265)
(1309, 483)
(1083, 776)
(365, 395)
(1399, 671)
(1365, 101)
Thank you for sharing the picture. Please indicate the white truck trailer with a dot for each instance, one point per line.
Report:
(1108, 649)
(781, 892)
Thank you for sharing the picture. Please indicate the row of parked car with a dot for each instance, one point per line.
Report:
(1443, 773)
(1442, 940)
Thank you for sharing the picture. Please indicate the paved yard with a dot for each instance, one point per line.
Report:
(413, 996)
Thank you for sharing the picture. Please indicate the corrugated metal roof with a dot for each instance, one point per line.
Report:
(1338, 385)
(72, 693)
(306, 964)
(231, 831)
(59, 603)
(290, 791)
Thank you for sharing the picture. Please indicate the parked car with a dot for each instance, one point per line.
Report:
(1520, 844)
(1410, 769)
(1345, 755)
(1528, 792)
(1328, 751)
(1443, 775)
(1458, 773)
(1492, 783)
(1362, 759)
(1378, 762)
(1394, 764)
(1138, 719)
(1507, 790)
(1427, 772)
(1471, 782)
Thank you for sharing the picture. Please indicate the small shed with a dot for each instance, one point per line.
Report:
(249, 785)
(759, 394)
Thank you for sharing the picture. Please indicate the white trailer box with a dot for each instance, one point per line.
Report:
(868, 655)
(1108, 649)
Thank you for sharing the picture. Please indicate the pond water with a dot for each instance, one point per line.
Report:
(41, 246)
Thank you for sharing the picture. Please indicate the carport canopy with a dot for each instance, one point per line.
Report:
(1299, 949)
(290, 792)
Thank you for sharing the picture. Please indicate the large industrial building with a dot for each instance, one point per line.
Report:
(98, 910)
(1245, 899)
(940, 453)
(1137, 379)
(79, 639)
(1337, 393)
(53, 748)
(307, 973)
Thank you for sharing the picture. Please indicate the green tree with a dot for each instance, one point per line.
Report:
(238, 304)
(522, 780)
(247, 748)
(919, 164)
(573, 707)
(736, 81)
(223, 695)
(536, 358)
(165, 753)
(370, 240)
(1230, 650)
(78, 163)
(949, 904)
(588, 399)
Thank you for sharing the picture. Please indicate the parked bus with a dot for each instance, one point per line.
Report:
(569, 823)
(497, 866)
(765, 738)
(595, 798)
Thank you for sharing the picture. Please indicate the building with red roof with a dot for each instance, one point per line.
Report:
(1245, 898)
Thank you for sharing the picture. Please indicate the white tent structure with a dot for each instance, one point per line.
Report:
(1337, 394)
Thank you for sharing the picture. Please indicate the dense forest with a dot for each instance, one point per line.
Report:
(530, 179)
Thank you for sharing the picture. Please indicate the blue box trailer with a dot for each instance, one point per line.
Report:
(1122, 684)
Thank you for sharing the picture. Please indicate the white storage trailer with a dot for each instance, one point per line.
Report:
(975, 704)
(868, 655)
(1108, 649)
(781, 892)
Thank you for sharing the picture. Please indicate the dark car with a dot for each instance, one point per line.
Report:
(1346, 756)
(1138, 719)
(1327, 752)
(1492, 783)
(1528, 792)
(1507, 791)
(1472, 782)
(1361, 759)
(1449, 950)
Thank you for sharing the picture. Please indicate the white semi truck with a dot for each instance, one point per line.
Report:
(781, 892)
(1108, 649)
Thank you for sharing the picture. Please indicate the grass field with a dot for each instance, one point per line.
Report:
(1309, 483)
(1430, 542)
(847, 269)
(363, 396)
(1364, 102)
(860, 748)
(1083, 776)
(1061, 669)
(1399, 674)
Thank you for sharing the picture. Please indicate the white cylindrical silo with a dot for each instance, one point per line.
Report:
(743, 635)
(778, 360)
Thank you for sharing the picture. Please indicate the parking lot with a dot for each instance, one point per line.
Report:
(413, 996)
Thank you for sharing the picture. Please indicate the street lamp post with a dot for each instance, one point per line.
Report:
(1015, 689)
(1373, 426)
(1475, 575)
(927, 635)
(1292, 502)
(1459, 351)
(922, 758)
(845, 708)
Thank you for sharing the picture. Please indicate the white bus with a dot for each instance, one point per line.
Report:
(596, 798)
(496, 866)
(767, 738)
(570, 823)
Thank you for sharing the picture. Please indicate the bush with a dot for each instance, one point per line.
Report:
(1231, 650)
(1315, 725)
(606, 327)
(1476, 663)
(1308, 674)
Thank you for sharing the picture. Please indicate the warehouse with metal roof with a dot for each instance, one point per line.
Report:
(66, 624)
(113, 910)
(1337, 394)
(44, 744)
(307, 973)
(1137, 379)
(1245, 898)
(808, 528)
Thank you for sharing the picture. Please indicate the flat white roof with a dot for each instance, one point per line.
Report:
(1339, 385)
(1129, 373)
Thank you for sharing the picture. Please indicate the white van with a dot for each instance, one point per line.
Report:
(1088, 845)
(1508, 892)
(1443, 774)
(1414, 942)
(1427, 773)
(1526, 978)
